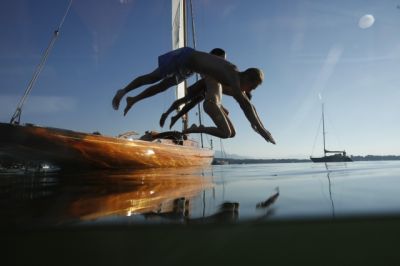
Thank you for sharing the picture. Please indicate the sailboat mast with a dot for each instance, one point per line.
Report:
(179, 40)
(323, 128)
(185, 118)
(197, 75)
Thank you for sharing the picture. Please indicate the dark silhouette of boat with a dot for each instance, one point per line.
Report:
(338, 156)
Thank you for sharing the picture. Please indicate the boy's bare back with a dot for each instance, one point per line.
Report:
(215, 67)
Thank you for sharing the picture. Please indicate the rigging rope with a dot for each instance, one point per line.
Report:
(15, 119)
(65, 15)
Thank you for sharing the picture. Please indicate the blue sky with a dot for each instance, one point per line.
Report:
(305, 48)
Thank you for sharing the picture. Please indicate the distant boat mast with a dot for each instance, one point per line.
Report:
(339, 156)
(323, 128)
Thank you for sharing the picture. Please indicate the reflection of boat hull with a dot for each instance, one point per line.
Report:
(331, 158)
(219, 161)
(70, 149)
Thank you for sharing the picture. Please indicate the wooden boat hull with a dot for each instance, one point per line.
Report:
(70, 149)
(331, 159)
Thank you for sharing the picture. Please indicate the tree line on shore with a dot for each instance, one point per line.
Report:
(255, 161)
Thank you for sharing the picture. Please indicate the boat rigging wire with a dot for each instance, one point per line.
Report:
(15, 119)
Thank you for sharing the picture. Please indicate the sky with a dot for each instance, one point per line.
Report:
(345, 54)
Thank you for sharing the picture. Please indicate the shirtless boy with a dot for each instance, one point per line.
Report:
(167, 62)
(195, 95)
(187, 60)
(213, 107)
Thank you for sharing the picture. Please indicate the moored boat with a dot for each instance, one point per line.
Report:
(69, 149)
(73, 150)
(338, 156)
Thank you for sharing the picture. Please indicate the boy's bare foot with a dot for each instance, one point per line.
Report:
(162, 119)
(117, 98)
(188, 130)
(130, 101)
(173, 121)
(193, 126)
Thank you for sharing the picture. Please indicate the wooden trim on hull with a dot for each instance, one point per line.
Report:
(67, 149)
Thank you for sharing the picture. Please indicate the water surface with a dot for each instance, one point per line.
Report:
(226, 193)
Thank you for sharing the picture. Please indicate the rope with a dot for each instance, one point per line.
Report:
(65, 15)
(15, 119)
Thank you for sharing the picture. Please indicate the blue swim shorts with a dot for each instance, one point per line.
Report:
(171, 64)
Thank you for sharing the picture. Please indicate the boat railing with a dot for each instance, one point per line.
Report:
(127, 135)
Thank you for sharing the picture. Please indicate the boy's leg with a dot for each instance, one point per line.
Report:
(137, 82)
(193, 102)
(173, 107)
(216, 113)
(232, 128)
(150, 91)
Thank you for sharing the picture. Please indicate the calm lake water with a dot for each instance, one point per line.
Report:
(226, 193)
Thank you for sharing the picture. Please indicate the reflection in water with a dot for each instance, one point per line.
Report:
(200, 195)
(70, 198)
(269, 201)
(267, 204)
(227, 212)
(330, 190)
(141, 192)
(185, 195)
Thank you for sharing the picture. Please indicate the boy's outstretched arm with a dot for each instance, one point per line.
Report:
(252, 116)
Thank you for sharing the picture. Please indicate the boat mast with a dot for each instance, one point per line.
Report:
(197, 75)
(185, 118)
(179, 40)
(15, 119)
(323, 128)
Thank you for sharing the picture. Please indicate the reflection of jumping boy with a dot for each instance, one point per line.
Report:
(184, 61)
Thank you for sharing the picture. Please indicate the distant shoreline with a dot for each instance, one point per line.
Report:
(259, 161)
